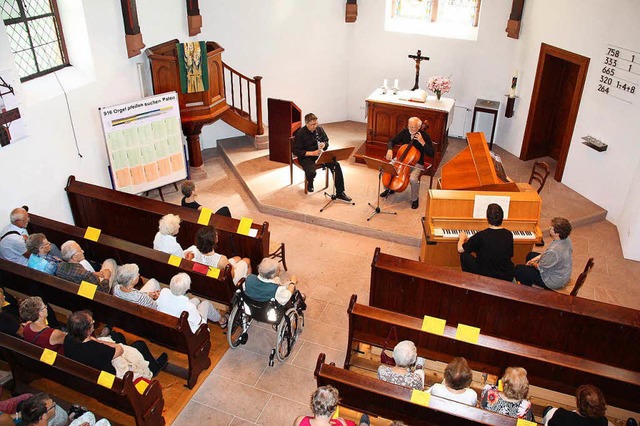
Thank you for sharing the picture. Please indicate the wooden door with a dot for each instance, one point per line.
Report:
(554, 105)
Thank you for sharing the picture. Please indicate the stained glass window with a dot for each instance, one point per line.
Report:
(35, 36)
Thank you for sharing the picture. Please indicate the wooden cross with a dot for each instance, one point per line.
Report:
(418, 57)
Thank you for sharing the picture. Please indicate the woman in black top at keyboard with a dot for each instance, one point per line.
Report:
(493, 248)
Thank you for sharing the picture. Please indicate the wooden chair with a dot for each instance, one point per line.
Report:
(582, 277)
(539, 173)
(294, 161)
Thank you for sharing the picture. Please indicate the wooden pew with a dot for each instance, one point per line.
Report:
(593, 330)
(391, 401)
(546, 368)
(158, 327)
(24, 359)
(135, 219)
(152, 263)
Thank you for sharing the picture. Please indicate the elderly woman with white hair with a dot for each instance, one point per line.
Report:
(173, 301)
(266, 285)
(127, 277)
(165, 239)
(404, 372)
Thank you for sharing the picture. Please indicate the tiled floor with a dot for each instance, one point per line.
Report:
(332, 264)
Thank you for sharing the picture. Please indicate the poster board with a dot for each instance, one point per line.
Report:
(144, 143)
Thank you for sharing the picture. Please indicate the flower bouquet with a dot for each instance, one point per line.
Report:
(439, 85)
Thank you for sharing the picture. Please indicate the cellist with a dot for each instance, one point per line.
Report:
(412, 134)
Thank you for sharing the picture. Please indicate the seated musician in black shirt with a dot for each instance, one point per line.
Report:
(309, 143)
(493, 248)
(420, 139)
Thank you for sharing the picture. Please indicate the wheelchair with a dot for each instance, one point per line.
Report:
(287, 321)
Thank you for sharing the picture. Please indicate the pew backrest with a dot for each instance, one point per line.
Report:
(152, 263)
(24, 359)
(545, 368)
(586, 328)
(391, 401)
(135, 219)
(164, 329)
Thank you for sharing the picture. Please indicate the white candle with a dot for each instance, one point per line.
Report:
(384, 84)
(395, 84)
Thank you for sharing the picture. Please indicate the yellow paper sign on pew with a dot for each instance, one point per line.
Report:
(106, 379)
(523, 422)
(466, 333)
(48, 356)
(420, 397)
(336, 414)
(500, 386)
(92, 234)
(245, 226)
(87, 290)
(174, 260)
(141, 386)
(433, 325)
(205, 216)
(213, 272)
(6, 304)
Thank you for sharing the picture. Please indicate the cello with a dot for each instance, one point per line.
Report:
(407, 157)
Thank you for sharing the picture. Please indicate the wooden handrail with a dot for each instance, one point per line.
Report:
(242, 79)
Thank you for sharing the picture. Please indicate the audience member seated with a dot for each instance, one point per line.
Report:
(173, 301)
(82, 346)
(9, 324)
(165, 239)
(89, 419)
(33, 313)
(512, 400)
(457, 379)
(551, 269)
(266, 285)
(493, 248)
(324, 403)
(203, 252)
(127, 277)
(404, 373)
(591, 408)
(41, 258)
(188, 189)
(9, 407)
(72, 270)
(41, 410)
(14, 236)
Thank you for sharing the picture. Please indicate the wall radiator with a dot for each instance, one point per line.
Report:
(461, 122)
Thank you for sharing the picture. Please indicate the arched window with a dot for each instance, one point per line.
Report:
(35, 36)
(440, 18)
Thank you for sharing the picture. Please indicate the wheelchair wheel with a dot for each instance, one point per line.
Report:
(237, 327)
(288, 331)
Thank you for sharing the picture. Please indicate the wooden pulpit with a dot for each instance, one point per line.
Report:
(196, 109)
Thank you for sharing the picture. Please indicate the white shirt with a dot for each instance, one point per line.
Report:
(469, 396)
(205, 259)
(167, 244)
(175, 305)
(12, 247)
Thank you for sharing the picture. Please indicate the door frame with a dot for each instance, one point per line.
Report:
(546, 50)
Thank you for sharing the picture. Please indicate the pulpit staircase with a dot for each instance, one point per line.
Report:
(232, 97)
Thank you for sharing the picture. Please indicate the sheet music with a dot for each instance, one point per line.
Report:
(481, 202)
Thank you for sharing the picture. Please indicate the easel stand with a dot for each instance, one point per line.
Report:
(333, 156)
(382, 167)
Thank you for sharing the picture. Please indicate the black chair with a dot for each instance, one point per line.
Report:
(539, 173)
(582, 277)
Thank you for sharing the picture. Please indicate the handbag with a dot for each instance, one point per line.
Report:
(384, 358)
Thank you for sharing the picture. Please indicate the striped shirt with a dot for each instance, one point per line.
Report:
(135, 296)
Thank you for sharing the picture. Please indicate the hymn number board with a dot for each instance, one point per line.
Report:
(620, 76)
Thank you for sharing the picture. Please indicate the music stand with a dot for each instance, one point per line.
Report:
(333, 156)
(382, 166)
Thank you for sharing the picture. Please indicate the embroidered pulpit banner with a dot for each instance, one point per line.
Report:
(192, 63)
